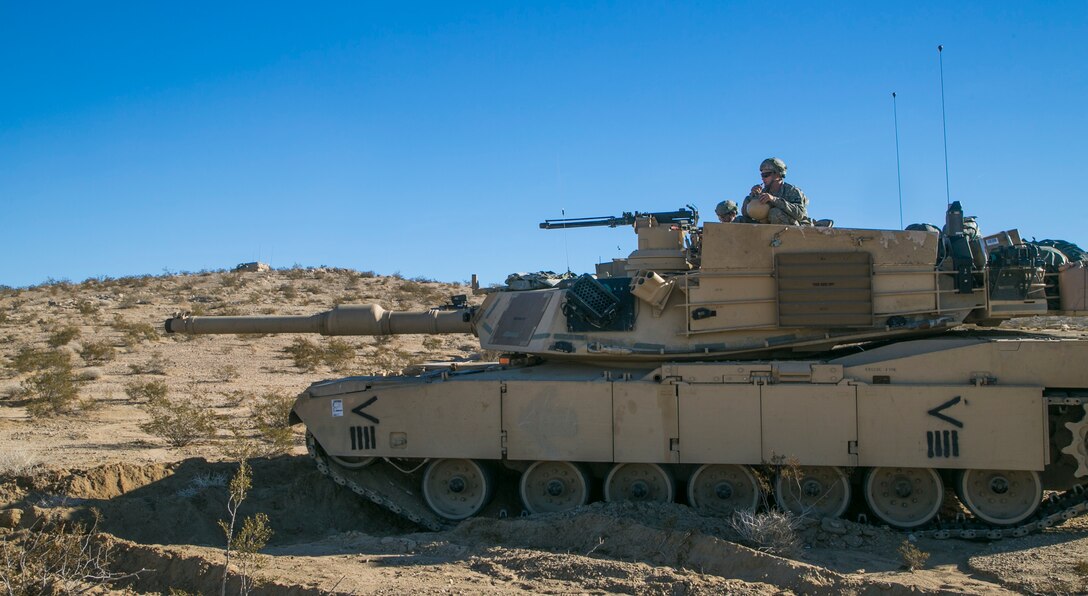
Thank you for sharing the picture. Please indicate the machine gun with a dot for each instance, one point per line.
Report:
(685, 218)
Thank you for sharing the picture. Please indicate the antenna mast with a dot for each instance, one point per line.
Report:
(898, 171)
(944, 125)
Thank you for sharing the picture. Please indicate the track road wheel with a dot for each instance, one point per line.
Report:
(904, 497)
(639, 482)
(818, 491)
(1000, 497)
(457, 488)
(721, 489)
(345, 461)
(352, 463)
(550, 486)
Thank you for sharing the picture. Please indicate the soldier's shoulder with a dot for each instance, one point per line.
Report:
(790, 190)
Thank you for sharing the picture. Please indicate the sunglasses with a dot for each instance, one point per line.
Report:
(766, 174)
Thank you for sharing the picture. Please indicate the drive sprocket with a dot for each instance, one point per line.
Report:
(1078, 446)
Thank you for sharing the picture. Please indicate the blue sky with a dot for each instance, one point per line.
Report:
(430, 139)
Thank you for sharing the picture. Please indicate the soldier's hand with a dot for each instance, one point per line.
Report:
(756, 189)
(766, 198)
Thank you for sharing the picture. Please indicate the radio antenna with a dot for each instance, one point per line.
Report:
(563, 211)
(944, 125)
(898, 171)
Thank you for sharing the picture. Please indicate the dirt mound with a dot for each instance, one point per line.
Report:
(114, 480)
(609, 547)
(182, 503)
(664, 534)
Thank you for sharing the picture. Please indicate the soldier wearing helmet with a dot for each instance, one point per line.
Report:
(775, 201)
(726, 211)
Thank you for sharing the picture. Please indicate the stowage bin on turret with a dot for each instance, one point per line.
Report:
(714, 362)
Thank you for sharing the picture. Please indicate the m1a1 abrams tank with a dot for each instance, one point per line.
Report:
(726, 366)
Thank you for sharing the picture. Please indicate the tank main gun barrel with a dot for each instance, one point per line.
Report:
(354, 319)
(689, 216)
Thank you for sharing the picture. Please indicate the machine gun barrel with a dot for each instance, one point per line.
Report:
(687, 216)
(355, 319)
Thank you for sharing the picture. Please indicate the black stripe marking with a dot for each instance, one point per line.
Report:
(359, 409)
(929, 442)
(937, 444)
(936, 412)
(947, 446)
(354, 444)
(955, 443)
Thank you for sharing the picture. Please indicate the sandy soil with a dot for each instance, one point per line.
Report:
(160, 505)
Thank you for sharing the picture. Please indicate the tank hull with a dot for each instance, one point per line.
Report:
(948, 406)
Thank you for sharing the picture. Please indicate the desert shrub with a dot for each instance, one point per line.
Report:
(288, 291)
(338, 354)
(347, 299)
(147, 392)
(200, 483)
(1081, 567)
(57, 286)
(237, 397)
(17, 462)
(770, 531)
(180, 422)
(51, 392)
(296, 272)
(231, 280)
(134, 281)
(226, 310)
(246, 543)
(129, 301)
(306, 354)
(56, 558)
(413, 288)
(97, 352)
(29, 359)
(226, 372)
(384, 340)
(89, 374)
(432, 343)
(271, 414)
(88, 308)
(155, 365)
(3, 316)
(63, 336)
(135, 333)
(912, 556)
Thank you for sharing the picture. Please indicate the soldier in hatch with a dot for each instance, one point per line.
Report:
(726, 211)
(783, 203)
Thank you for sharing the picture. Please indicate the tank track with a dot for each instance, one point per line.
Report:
(1055, 509)
(379, 485)
(387, 489)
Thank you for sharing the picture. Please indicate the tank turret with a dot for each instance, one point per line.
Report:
(719, 291)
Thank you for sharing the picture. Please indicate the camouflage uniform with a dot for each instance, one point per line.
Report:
(790, 206)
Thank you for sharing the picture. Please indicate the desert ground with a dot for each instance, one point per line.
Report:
(101, 411)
